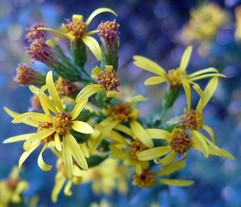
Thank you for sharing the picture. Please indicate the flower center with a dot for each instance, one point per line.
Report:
(109, 80)
(40, 51)
(123, 112)
(64, 87)
(181, 141)
(76, 27)
(62, 123)
(136, 146)
(108, 32)
(192, 119)
(34, 33)
(44, 126)
(27, 76)
(145, 179)
(174, 77)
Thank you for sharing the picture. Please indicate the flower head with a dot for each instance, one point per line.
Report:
(34, 34)
(108, 79)
(64, 87)
(77, 30)
(175, 77)
(109, 34)
(25, 75)
(54, 128)
(148, 178)
(39, 50)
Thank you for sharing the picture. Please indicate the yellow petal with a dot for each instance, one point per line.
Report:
(174, 167)
(77, 152)
(136, 99)
(155, 80)
(25, 155)
(207, 94)
(117, 153)
(92, 32)
(55, 31)
(167, 159)
(37, 137)
(96, 71)
(200, 72)
(67, 157)
(11, 113)
(153, 153)
(141, 134)
(117, 137)
(57, 142)
(57, 188)
(124, 129)
(93, 45)
(79, 106)
(88, 91)
(84, 149)
(185, 58)
(149, 65)
(32, 117)
(207, 76)
(210, 132)
(159, 134)
(41, 162)
(201, 142)
(187, 90)
(67, 187)
(176, 182)
(82, 127)
(18, 138)
(98, 11)
(53, 92)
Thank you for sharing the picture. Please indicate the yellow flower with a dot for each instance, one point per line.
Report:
(129, 143)
(175, 77)
(205, 22)
(193, 121)
(53, 128)
(11, 189)
(148, 178)
(107, 177)
(76, 30)
(62, 180)
(108, 79)
(178, 143)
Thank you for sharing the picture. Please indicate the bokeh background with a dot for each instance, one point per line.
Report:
(154, 29)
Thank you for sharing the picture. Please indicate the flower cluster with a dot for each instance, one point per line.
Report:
(96, 134)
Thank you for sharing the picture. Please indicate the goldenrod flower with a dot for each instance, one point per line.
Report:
(204, 23)
(148, 178)
(179, 142)
(107, 177)
(11, 189)
(53, 128)
(108, 80)
(76, 30)
(62, 180)
(193, 121)
(175, 77)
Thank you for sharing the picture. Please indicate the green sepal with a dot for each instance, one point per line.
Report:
(101, 97)
(95, 160)
(169, 97)
(78, 50)
(109, 57)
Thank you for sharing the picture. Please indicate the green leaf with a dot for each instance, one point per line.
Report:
(95, 160)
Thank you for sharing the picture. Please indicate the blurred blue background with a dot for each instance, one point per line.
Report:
(152, 29)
